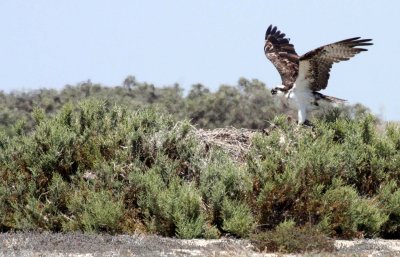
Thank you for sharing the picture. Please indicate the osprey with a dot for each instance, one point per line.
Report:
(303, 76)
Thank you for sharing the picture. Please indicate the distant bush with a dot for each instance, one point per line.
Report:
(247, 104)
(99, 167)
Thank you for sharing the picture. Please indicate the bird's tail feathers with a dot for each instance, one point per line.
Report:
(330, 99)
(334, 100)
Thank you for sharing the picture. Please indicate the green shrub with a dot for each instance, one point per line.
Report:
(294, 170)
(98, 167)
(173, 209)
(237, 218)
(211, 232)
(389, 196)
(348, 213)
(289, 238)
(185, 208)
(223, 179)
(95, 211)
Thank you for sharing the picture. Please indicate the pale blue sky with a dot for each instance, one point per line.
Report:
(50, 44)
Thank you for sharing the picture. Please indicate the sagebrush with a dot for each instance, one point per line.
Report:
(100, 167)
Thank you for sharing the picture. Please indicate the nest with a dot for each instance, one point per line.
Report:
(235, 142)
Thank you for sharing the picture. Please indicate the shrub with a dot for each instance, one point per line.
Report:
(347, 213)
(237, 218)
(289, 238)
(223, 179)
(295, 170)
(389, 196)
(173, 209)
(93, 212)
(98, 167)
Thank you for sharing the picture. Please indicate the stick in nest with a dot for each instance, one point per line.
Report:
(235, 142)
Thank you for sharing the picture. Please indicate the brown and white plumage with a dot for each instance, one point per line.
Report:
(303, 76)
(319, 61)
(282, 54)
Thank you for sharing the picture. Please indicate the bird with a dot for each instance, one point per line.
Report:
(304, 76)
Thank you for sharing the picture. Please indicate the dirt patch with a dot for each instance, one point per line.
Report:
(78, 244)
(369, 247)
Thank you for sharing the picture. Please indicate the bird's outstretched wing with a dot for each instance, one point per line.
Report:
(316, 64)
(282, 54)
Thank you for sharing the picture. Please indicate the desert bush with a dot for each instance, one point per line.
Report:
(289, 238)
(237, 218)
(389, 197)
(99, 167)
(295, 174)
(222, 179)
(346, 213)
(170, 209)
(93, 212)
(246, 104)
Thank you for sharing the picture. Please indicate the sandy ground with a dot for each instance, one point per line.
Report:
(77, 244)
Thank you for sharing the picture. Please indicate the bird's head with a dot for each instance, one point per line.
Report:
(278, 90)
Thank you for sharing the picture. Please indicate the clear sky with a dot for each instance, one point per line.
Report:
(48, 44)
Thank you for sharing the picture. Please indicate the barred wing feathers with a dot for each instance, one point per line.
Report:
(283, 55)
(316, 64)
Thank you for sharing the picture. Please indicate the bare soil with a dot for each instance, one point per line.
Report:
(78, 244)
